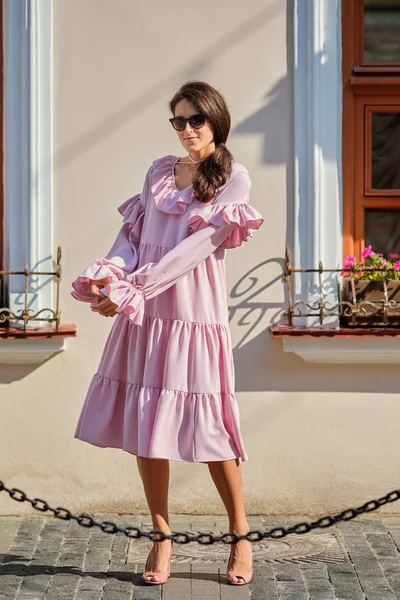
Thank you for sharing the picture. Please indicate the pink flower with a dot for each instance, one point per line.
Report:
(396, 265)
(392, 255)
(383, 263)
(349, 260)
(368, 252)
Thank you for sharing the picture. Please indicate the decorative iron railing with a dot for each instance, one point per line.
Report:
(26, 316)
(352, 300)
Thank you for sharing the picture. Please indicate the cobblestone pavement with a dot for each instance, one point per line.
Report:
(46, 558)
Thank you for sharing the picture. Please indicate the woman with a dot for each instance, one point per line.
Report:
(164, 388)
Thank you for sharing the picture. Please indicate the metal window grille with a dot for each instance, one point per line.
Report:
(351, 299)
(26, 316)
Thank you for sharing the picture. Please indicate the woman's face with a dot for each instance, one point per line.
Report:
(193, 140)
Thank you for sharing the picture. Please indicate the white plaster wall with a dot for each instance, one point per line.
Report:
(319, 438)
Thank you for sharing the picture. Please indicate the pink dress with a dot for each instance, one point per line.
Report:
(165, 384)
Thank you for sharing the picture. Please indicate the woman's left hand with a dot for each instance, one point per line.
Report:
(105, 307)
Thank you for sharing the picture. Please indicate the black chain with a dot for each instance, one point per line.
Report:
(204, 538)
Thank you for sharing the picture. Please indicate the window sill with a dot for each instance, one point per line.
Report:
(341, 346)
(33, 346)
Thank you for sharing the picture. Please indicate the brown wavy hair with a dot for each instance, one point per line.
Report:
(213, 172)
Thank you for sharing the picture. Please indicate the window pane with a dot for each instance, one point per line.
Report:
(381, 31)
(385, 151)
(382, 231)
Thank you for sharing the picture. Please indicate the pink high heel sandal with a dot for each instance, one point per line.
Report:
(245, 575)
(161, 575)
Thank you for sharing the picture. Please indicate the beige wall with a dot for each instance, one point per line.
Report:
(319, 438)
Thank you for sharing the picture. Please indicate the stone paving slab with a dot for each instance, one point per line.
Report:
(42, 558)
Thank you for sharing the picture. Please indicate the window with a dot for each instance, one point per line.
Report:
(371, 125)
(27, 224)
(346, 102)
(26, 192)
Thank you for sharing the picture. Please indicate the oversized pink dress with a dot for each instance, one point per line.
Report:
(165, 385)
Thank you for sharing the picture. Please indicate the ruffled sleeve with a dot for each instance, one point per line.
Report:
(133, 213)
(231, 208)
(155, 277)
(122, 258)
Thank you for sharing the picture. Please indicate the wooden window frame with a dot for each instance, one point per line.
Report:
(364, 85)
(391, 106)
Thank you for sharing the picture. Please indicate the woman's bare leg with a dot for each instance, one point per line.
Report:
(154, 473)
(227, 477)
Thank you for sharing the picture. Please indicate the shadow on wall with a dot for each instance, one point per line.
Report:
(249, 307)
(193, 69)
(261, 364)
(12, 373)
(273, 123)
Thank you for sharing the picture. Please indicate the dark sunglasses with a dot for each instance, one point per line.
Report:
(195, 121)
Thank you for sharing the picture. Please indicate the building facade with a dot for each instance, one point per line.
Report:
(313, 90)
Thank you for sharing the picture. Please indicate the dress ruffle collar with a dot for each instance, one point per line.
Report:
(167, 197)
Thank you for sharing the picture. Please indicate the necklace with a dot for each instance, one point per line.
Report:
(192, 161)
(195, 161)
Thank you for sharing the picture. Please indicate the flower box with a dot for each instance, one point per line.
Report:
(370, 309)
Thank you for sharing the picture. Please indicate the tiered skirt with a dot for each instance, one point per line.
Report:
(165, 389)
